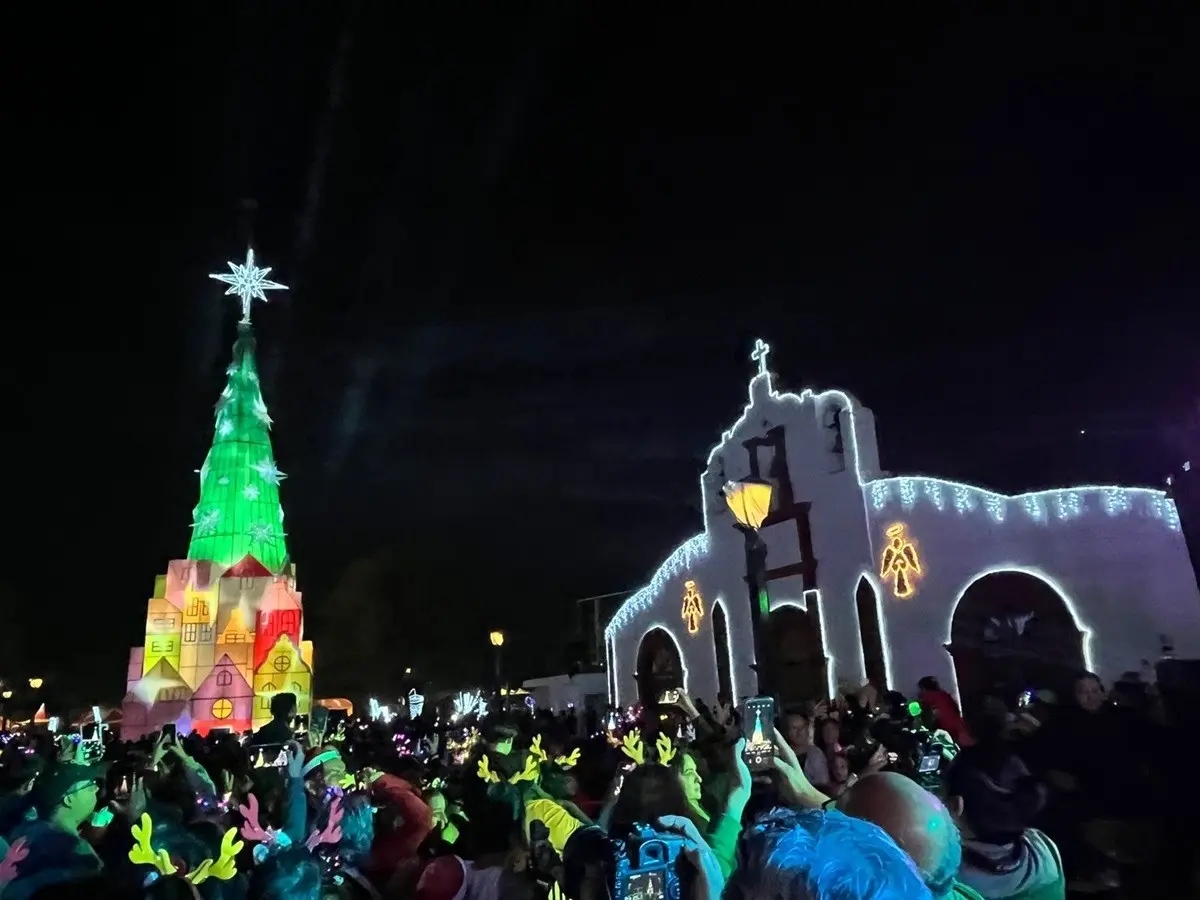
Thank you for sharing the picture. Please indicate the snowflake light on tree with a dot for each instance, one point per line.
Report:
(207, 523)
(260, 532)
(268, 471)
(250, 492)
(260, 411)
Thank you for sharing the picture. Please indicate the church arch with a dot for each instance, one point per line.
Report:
(796, 655)
(659, 666)
(1013, 630)
(870, 631)
(720, 633)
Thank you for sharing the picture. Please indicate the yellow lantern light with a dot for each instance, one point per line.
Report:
(35, 683)
(497, 638)
(7, 695)
(750, 501)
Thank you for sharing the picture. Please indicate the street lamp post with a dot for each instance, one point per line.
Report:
(750, 503)
(496, 638)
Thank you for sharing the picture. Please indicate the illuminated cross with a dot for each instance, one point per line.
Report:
(761, 349)
(248, 282)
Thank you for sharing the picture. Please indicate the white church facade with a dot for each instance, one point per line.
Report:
(889, 579)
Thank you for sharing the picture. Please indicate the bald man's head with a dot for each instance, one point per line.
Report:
(915, 819)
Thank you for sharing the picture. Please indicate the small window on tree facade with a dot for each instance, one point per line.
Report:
(224, 679)
(222, 709)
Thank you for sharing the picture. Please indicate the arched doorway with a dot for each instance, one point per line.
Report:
(720, 632)
(659, 667)
(796, 655)
(870, 632)
(1012, 631)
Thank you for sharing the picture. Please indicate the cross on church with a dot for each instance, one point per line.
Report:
(761, 349)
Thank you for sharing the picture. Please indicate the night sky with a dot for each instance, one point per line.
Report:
(529, 253)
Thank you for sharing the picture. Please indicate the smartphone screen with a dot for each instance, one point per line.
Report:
(270, 755)
(929, 763)
(169, 730)
(647, 886)
(758, 728)
(301, 724)
(671, 696)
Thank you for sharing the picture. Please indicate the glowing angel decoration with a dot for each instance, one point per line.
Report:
(900, 562)
(693, 607)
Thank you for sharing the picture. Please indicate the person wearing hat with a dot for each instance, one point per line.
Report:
(65, 798)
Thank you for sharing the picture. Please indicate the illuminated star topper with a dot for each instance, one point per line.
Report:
(248, 282)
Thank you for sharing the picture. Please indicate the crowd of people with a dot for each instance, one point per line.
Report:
(866, 795)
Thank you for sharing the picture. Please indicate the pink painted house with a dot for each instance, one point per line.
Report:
(223, 700)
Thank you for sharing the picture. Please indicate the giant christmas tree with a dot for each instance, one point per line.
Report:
(239, 513)
(224, 627)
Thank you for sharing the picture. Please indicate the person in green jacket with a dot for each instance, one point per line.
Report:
(647, 793)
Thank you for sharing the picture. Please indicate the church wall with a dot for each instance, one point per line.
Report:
(829, 482)
(1116, 554)
(716, 559)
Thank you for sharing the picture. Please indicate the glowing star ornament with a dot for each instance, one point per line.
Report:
(248, 282)
(693, 607)
(900, 562)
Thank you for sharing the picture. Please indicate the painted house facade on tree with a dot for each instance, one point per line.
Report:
(889, 579)
(224, 629)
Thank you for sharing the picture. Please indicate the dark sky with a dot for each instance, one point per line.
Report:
(529, 252)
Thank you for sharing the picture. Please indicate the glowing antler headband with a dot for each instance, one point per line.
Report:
(223, 869)
(529, 773)
(565, 762)
(632, 746)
